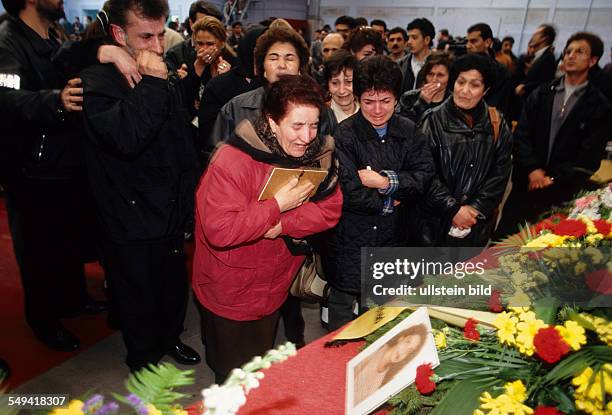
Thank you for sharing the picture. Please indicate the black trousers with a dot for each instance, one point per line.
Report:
(148, 291)
(230, 344)
(49, 231)
(340, 308)
(291, 312)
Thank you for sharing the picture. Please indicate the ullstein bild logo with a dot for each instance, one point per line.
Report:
(410, 269)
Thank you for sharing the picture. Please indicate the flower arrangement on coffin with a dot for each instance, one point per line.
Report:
(541, 360)
(523, 366)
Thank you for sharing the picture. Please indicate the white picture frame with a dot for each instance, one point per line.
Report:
(389, 364)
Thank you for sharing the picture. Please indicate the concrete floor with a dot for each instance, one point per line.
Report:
(101, 368)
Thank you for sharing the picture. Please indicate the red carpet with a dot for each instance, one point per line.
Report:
(26, 356)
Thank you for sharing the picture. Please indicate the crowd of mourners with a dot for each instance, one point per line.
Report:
(120, 146)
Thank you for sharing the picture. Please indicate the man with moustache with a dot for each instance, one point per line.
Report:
(143, 169)
(396, 44)
(41, 171)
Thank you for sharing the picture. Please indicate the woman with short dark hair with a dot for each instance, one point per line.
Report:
(384, 166)
(242, 265)
(433, 87)
(364, 42)
(338, 72)
(472, 165)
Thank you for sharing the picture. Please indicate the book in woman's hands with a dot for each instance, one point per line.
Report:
(280, 177)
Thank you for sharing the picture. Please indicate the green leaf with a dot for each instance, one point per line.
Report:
(462, 398)
(156, 384)
(545, 309)
(565, 403)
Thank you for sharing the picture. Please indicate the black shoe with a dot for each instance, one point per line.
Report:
(59, 339)
(5, 371)
(184, 354)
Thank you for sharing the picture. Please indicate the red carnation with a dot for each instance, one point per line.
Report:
(549, 223)
(549, 345)
(469, 331)
(547, 410)
(603, 226)
(495, 304)
(570, 227)
(600, 281)
(424, 383)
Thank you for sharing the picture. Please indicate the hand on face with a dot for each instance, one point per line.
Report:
(207, 55)
(152, 64)
(429, 91)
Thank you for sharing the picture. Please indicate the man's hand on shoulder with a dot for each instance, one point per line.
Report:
(122, 60)
(72, 95)
(151, 64)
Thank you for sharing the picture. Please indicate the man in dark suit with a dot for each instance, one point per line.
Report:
(561, 137)
(543, 64)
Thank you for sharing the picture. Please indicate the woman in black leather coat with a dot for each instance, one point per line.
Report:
(472, 167)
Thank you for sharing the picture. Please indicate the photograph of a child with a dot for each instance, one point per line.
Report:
(389, 364)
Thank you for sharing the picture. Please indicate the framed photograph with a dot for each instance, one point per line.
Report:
(389, 364)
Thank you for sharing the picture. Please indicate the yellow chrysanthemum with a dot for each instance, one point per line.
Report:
(601, 326)
(547, 240)
(440, 339)
(591, 390)
(152, 410)
(505, 323)
(594, 240)
(516, 390)
(591, 228)
(580, 268)
(503, 405)
(75, 407)
(178, 411)
(519, 310)
(519, 298)
(573, 334)
(594, 254)
(526, 332)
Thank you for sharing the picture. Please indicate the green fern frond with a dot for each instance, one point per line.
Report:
(156, 384)
(517, 240)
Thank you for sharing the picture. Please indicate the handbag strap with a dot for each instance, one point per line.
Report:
(495, 122)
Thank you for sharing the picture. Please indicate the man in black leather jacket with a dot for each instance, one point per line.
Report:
(143, 169)
(472, 167)
(41, 171)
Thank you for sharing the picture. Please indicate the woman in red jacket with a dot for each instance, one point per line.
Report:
(243, 265)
